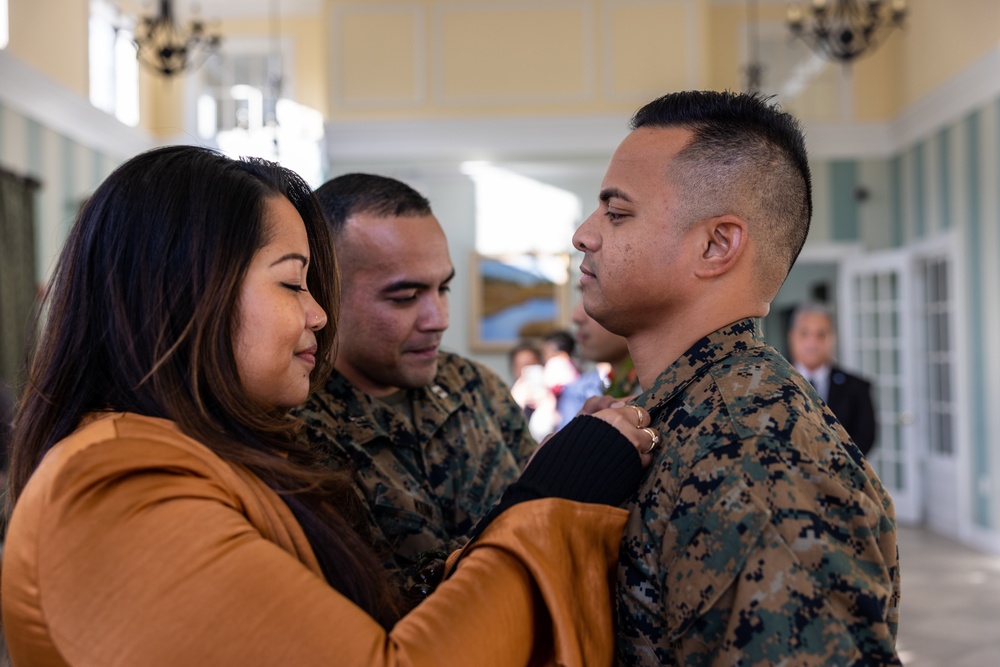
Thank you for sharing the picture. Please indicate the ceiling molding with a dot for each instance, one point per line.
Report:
(843, 140)
(474, 138)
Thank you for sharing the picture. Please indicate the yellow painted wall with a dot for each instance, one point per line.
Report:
(161, 104)
(878, 82)
(434, 58)
(388, 74)
(359, 59)
(650, 48)
(939, 40)
(942, 38)
(439, 58)
(876, 79)
(725, 35)
(486, 54)
(56, 47)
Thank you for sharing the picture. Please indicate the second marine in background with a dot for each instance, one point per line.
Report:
(432, 438)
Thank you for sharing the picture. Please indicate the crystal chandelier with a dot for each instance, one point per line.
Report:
(167, 48)
(845, 30)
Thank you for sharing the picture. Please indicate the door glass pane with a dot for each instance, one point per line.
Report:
(935, 319)
(946, 383)
(947, 435)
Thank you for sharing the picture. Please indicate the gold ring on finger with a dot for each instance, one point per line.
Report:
(655, 439)
(638, 415)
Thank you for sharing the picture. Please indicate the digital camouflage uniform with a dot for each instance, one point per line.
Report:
(426, 486)
(761, 535)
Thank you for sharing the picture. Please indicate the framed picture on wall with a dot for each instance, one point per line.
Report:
(517, 296)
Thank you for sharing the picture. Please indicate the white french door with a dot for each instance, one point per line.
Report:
(876, 339)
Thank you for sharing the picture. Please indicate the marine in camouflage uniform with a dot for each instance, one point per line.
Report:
(761, 535)
(426, 484)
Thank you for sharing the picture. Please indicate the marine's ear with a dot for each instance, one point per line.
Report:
(722, 241)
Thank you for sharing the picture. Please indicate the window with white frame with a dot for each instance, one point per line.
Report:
(243, 103)
(518, 214)
(114, 70)
(238, 91)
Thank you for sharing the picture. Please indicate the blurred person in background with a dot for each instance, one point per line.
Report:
(613, 373)
(812, 339)
(530, 391)
(430, 437)
(560, 368)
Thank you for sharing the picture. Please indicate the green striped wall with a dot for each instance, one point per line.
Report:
(68, 171)
(919, 194)
(975, 308)
(944, 177)
(844, 204)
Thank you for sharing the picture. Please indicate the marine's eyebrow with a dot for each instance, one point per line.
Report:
(413, 284)
(614, 193)
(403, 285)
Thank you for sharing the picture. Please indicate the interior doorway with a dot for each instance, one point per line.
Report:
(878, 339)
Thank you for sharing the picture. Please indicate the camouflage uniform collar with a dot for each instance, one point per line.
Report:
(436, 402)
(697, 360)
(358, 410)
(371, 419)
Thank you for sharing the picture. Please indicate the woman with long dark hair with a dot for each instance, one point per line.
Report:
(163, 511)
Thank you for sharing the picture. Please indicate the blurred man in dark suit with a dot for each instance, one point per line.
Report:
(811, 342)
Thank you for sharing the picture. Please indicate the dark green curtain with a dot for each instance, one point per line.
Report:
(17, 270)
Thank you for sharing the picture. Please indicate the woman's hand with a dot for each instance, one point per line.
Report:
(631, 420)
(586, 461)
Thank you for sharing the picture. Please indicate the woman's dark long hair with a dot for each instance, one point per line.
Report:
(141, 318)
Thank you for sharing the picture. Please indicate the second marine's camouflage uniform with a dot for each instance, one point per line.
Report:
(761, 535)
(428, 484)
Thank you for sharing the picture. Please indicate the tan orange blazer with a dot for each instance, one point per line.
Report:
(136, 545)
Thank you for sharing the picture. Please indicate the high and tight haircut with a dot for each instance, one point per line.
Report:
(381, 196)
(747, 158)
